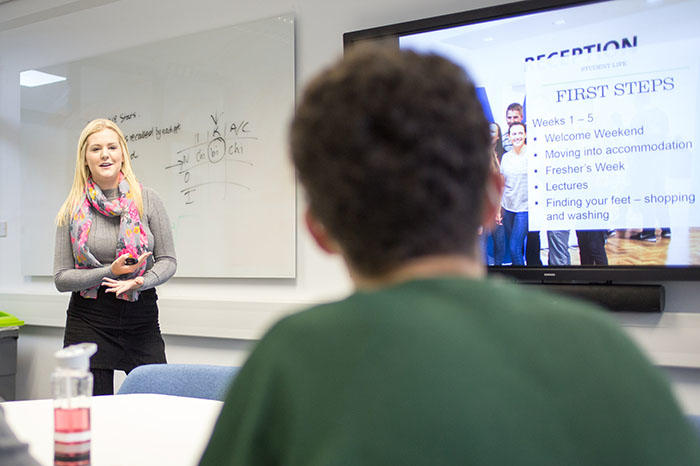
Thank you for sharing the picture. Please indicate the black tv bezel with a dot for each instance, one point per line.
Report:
(550, 274)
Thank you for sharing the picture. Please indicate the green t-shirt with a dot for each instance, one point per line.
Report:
(450, 371)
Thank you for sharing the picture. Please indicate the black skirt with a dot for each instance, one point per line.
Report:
(127, 333)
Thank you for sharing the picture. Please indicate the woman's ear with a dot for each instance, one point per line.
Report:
(320, 234)
(492, 201)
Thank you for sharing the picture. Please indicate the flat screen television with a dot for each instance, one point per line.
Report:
(606, 168)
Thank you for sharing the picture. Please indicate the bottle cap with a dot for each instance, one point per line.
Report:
(76, 356)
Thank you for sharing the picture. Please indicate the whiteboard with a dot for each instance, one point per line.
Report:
(205, 118)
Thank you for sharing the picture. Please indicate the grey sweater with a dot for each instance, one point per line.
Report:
(102, 242)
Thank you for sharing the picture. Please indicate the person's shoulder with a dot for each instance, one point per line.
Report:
(149, 193)
(555, 311)
(312, 326)
(315, 317)
(151, 199)
(319, 323)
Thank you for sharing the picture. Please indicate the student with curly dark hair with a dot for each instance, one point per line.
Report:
(429, 362)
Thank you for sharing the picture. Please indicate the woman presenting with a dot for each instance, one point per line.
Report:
(113, 246)
(514, 201)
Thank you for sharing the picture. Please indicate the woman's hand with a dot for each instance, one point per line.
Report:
(119, 266)
(121, 286)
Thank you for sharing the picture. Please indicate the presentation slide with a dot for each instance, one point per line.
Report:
(609, 96)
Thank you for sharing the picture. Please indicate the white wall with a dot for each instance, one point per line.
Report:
(232, 313)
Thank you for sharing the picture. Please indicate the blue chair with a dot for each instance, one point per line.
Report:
(695, 421)
(191, 380)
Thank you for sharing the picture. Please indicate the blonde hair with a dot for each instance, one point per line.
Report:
(82, 172)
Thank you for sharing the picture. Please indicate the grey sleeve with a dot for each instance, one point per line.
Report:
(12, 451)
(65, 276)
(165, 261)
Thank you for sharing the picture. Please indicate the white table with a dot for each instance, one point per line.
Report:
(137, 429)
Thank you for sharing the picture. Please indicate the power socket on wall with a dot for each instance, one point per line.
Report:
(3, 229)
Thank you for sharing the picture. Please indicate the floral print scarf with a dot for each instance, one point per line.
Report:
(132, 238)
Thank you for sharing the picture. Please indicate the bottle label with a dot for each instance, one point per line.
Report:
(72, 437)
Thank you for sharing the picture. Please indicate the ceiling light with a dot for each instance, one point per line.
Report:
(34, 78)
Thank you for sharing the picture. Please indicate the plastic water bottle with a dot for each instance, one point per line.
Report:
(71, 383)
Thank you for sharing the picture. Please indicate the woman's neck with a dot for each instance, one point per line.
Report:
(106, 185)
